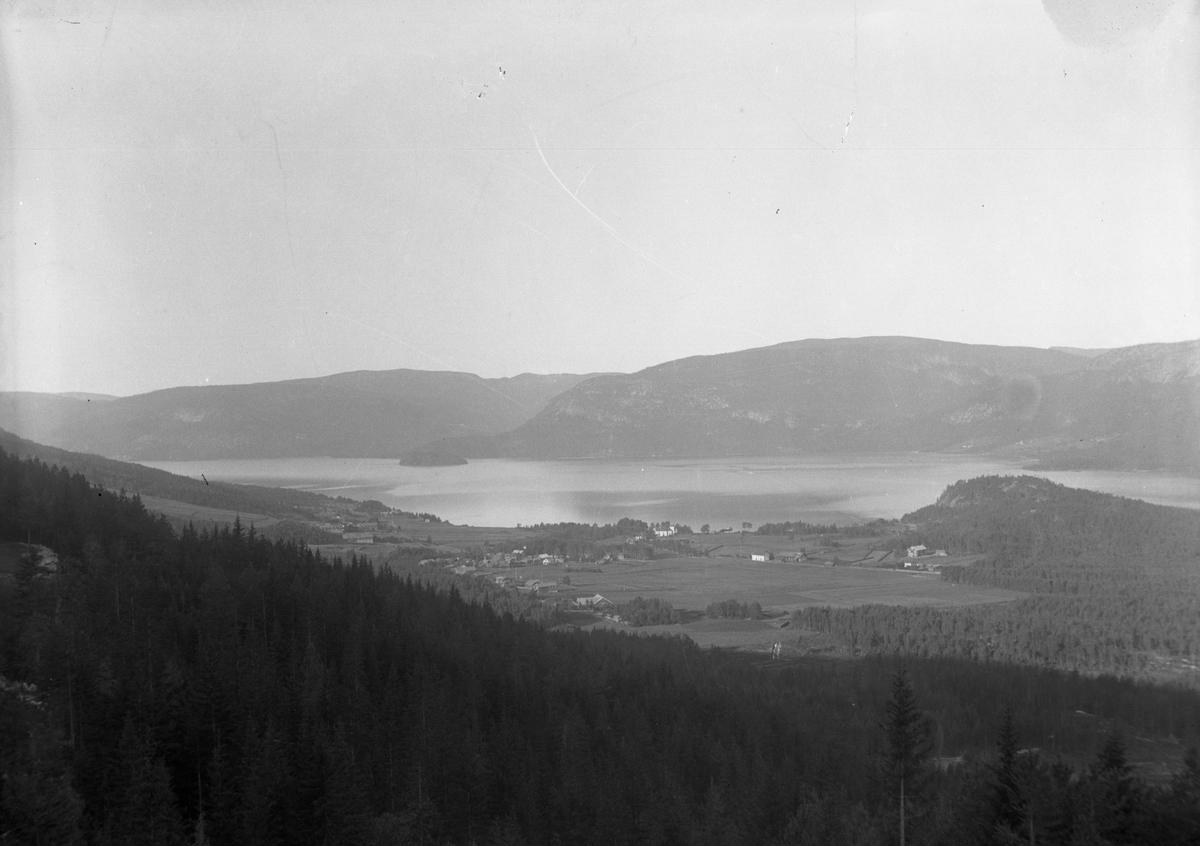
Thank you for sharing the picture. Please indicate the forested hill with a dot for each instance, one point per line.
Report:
(1034, 530)
(1135, 407)
(380, 414)
(1115, 582)
(213, 688)
(147, 481)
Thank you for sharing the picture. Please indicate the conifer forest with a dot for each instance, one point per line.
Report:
(216, 687)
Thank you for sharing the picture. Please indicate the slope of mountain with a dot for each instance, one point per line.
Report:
(1136, 407)
(359, 414)
(149, 482)
(1133, 407)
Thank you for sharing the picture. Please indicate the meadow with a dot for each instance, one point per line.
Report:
(691, 584)
(181, 513)
(780, 587)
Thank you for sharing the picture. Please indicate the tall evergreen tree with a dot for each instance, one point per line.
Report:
(908, 735)
(1007, 800)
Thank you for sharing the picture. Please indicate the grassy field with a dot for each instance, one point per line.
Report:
(458, 538)
(443, 538)
(203, 515)
(778, 586)
(690, 584)
(736, 544)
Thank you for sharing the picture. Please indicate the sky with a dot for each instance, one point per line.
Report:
(228, 192)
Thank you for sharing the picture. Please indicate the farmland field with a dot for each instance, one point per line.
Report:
(202, 514)
(779, 587)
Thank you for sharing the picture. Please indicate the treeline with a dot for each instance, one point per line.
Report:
(640, 611)
(290, 530)
(503, 601)
(1115, 582)
(581, 541)
(732, 609)
(215, 687)
(799, 527)
(584, 531)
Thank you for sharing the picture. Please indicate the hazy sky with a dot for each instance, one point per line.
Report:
(234, 192)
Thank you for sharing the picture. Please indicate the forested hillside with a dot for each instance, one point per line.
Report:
(1134, 407)
(379, 414)
(216, 688)
(147, 481)
(1115, 582)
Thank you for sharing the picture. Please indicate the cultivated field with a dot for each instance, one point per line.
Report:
(458, 538)
(202, 515)
(779, 587)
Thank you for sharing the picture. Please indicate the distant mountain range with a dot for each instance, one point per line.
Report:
(363, 414)
(1132, 407)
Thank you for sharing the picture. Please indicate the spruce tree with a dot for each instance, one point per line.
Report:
(907, 731)
(1006, 797)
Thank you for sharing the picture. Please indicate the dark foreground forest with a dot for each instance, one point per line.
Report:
(218, 688)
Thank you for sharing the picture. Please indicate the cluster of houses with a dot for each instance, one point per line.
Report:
(532, 586)
(791, 556)
(360, 531)
(921, 551)
(518, 558)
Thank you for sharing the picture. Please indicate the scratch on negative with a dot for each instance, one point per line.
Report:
(602, 221)
(846, 131)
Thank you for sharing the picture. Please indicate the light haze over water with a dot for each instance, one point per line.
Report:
(722, 492)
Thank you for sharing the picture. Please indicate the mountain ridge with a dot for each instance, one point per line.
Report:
(1128, 408)
(372, 414)
(1135, 407)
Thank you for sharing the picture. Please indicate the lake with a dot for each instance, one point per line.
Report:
(722, 492)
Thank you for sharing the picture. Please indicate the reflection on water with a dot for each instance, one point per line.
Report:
(722, 492)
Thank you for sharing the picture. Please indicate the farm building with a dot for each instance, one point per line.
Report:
(596, 602)
(762, 556)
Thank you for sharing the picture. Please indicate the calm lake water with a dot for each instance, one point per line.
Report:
(722, 492)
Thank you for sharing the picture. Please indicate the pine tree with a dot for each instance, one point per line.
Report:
(907, 731)
(1007, 800)
(1112, 792)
